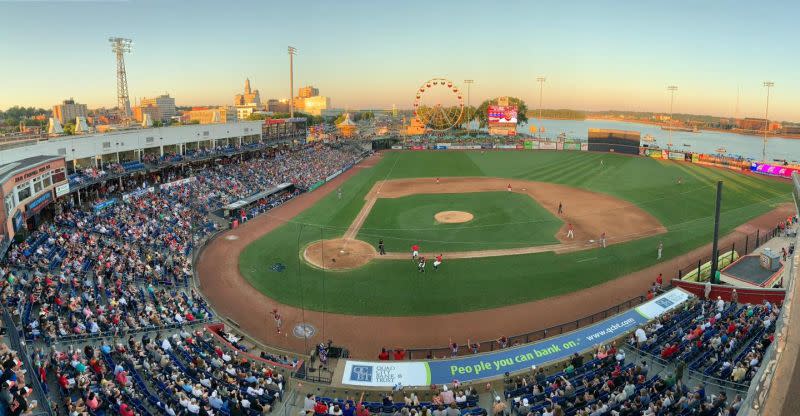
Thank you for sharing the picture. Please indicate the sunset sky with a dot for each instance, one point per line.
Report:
(596, 55)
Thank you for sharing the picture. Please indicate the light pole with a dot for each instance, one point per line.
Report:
(541, 81)
(671, 89)
(469, 83)
(768, 84)
(292, 53)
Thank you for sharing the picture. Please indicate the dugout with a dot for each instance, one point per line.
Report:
(233, 209)
(614, 141)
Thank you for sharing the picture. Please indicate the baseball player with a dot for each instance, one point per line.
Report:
(660, 249)
(381, 248)
(560, 208)
(570, 231)
(509, 187)
(603, 239)
(414, 251)
(421, 264)
(339, 193)
(437, 262)
(437, 181)
(278, 320)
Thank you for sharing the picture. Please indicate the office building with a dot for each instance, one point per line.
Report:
(165, 105)
(316, 105)
(205, 115)
(250, 98)
(68, 110)
(308, 92)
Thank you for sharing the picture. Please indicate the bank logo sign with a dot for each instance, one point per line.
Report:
(361, 373)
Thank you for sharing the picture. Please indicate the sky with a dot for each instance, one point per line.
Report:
(596, 55)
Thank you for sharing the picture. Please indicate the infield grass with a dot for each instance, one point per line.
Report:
(501, 220)
(396, 288)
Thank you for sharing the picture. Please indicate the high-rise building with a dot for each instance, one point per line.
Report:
(249, 98)
(151, 110)
(316, 105)
(165, 105)
(278, 106)
(308, 92)
(68, 110)
(205, 115)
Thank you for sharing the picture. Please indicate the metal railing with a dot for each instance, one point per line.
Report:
(422, 353)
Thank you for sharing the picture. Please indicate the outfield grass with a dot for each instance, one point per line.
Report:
(501, 220)
(395, 288)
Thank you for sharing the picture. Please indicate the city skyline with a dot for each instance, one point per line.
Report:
(595, 56)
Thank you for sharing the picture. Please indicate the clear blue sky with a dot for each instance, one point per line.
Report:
(596, 54)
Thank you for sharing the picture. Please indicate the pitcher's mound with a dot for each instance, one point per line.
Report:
(339, 254)
(453, 217)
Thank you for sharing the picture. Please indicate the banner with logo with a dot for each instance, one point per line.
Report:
(397, 147)
(179, 182)
(495, 364)
(677, 156)
(547, 146)
(333, 175)
(572, 146)
(585, 147)
(316, 185)
(62, 190)
(137, 193)
(530, 145)
(772, 170)
(103, 205)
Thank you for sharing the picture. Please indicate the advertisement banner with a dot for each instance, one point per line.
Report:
(439, 147)
(677, 156)
(62, 190)
(519, 147)
(665, 154)
(18, 222)
(316, 185)
(333, 175)
(417, 147)
(397, 147)
(137, 193)
(529, 144)
(585, 147)
(37, 204)
(572, 146)
(103, 205)
(695, 157)
(445, 145)
(474, 147)
(654, 153)
(458, 147)
(547, 146)
(487, 146)
(772, 170)
(496, 364)
(559, 145)
(507, 146)
(179, 182)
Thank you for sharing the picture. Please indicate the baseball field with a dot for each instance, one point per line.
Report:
(494, 218)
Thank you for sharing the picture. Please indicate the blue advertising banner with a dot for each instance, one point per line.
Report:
(497, 363)
(103, 205)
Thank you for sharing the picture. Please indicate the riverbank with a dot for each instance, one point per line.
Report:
(739, 132)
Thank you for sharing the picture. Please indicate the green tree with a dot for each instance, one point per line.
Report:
(254, 117)
(481, 113)
(69, 128)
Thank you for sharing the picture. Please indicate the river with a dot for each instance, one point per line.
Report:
(701, 142)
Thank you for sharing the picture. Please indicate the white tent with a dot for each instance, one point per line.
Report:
(54, 127)
(80, 125)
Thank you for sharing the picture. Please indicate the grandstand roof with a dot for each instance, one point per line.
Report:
(10, 169)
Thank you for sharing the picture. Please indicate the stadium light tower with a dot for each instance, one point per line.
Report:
(292, 53)
(120, 46)
(768, 84)
(671, 89)
(541, 81)
(469, 82)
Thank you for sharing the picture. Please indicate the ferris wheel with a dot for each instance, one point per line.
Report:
(439, 104)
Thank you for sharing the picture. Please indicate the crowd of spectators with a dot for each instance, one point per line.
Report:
(120, 266)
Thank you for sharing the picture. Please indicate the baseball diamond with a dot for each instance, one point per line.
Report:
(523, 261)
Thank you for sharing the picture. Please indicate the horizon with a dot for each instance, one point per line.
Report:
(363, 55)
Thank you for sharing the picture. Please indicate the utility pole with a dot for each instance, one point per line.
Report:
(120, 46)
(541, 81)
(768, 84)
(469, 83)
(714, 248)
(292, 53)
(671, 89)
